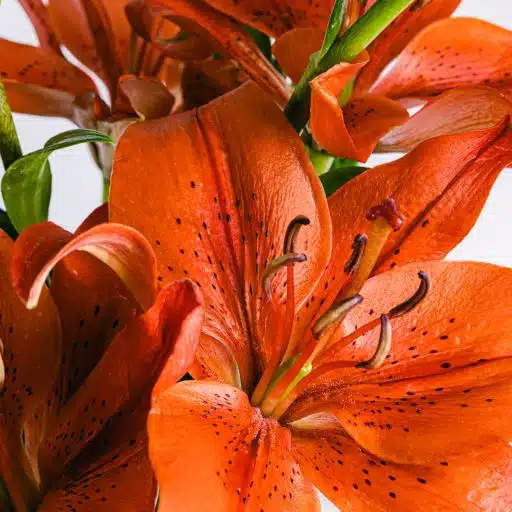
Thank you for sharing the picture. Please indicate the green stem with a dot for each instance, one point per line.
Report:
(106, 190)
(10, 149)
(344, 49)
(366, 29)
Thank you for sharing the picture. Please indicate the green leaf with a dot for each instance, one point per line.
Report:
(10, 149)
(338, 176)
(338, 13)
(5, 502)
(27, 183)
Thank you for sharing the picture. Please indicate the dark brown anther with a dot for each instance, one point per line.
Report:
(292, 231)
(275, 266)
(335, 314)
(418, 296)
(360, 242)
(386, 210)
(384, 347)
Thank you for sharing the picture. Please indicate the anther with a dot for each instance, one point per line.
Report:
(412, 302)
(292, 231)
(276, 265)
(386, 210)
(360, 242)
(383, 348)
(333, 315)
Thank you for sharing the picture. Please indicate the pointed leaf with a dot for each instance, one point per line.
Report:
(27, 183)
(338, 176)
(338, 13)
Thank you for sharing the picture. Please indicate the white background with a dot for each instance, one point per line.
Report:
(77, 182)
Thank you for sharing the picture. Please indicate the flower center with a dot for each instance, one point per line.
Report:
(291, 369)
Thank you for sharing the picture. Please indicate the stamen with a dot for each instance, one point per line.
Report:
(333, 315)
(411, 303)
(292, 232)
(275, 266)
(383, 348)
(360, 242)
(385, 219)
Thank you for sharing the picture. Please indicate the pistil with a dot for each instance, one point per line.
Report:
(385, 219)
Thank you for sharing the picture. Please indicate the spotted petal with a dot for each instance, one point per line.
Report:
(447, 54)
(352, 477)
(440, 188)
(233, 39)
(159, 344)
(455, 111)
(449, 366)
(220, 178)
(353, 131)
(239, 458)
(395, 38)
(31, 345)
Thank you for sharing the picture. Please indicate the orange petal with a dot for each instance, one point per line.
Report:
(234, 39)
(354, 479)
(204, 81)
(449, 365)
(240, 459)
(148, 97)
(124, 250)
(31, 347)
(353, 131)
(26, 64)
(450, 53)
(195, 421)
(231, 206)
(439, 188)
(86, 29)
(395, 38)
(39, 101)
(162, 342)
(276, 17)
(114, 470)
(38, 15)
(457, 110)
(293, 49)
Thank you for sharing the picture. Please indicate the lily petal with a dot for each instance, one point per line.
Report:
(353, 131)
(276, 17)
(293, 49)
(40, 248)
(228, 34)
(352, 477)
(447, 54)
(454, 111)
(239, 458)
(31, 342)
(90, 36)
(148, 97)
(230, 209)
(396, 37)
(449, 366)
(439, 188)
(38, 15)
(113, 471)
(159, 344)
(26, 64)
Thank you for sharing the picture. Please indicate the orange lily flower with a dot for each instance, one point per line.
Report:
(39, 80)
(297, 397)
(80, 363)
(478, 54)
